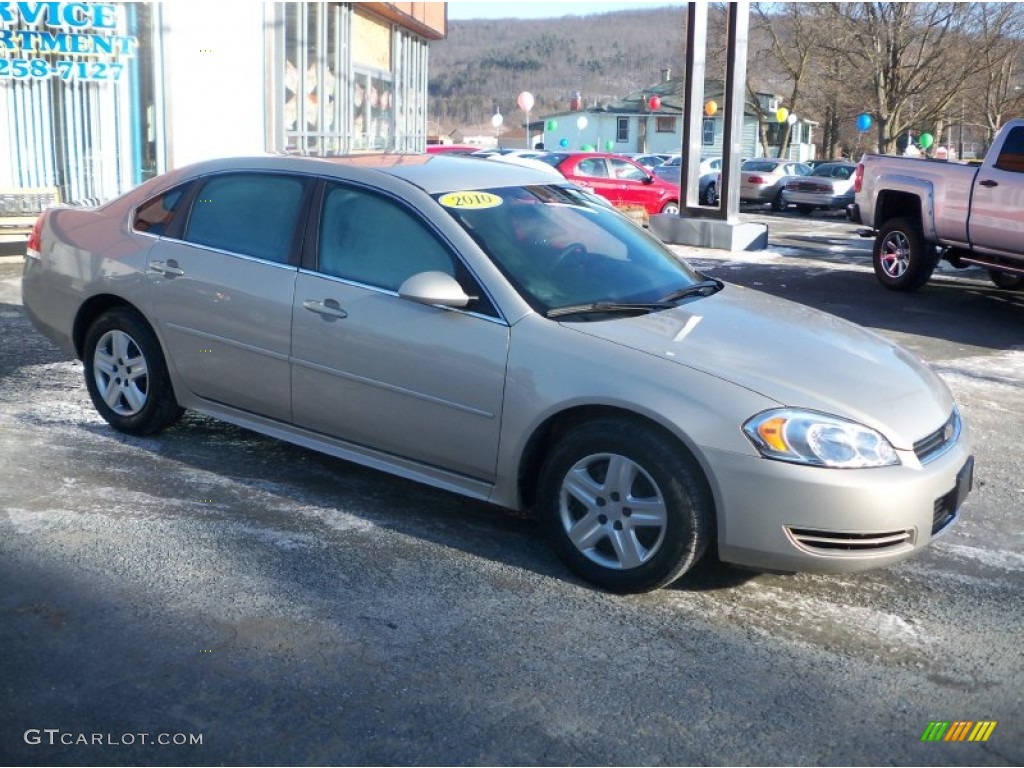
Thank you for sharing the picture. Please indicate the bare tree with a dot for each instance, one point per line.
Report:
(904, 51)
(998, 88)
(796, 37)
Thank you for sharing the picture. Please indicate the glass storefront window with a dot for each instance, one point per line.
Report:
(346, 82)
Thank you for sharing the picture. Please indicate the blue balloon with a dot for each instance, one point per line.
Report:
(863, 121)
(563, 143)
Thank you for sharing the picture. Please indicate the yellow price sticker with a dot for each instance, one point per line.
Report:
(470, 200)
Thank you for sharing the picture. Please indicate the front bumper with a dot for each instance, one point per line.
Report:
(789, 517)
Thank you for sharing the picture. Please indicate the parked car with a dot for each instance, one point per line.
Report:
(481, 328)
(828, 186)
(707, 186)
(707, 164)
(762, 180)
(491, 151)
(648, 161)
(923, 210)
(617, 179)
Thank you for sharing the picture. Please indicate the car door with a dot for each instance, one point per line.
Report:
(997, 207)
(420, 382)
(592, 173)
(221, 290)
(634, 185)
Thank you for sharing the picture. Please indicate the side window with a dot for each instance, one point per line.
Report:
(1011, 156)
(592, 166)
(372, 240)
(254, 214)
(623, 170)
(153, 216)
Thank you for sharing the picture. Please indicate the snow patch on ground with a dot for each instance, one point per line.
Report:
(1000, 559)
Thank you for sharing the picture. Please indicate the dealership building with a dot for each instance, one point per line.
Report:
(97, 97)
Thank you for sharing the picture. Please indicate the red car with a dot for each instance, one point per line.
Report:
(619, 180)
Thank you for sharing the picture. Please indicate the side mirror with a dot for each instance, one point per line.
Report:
(434, 288)
(649, 178)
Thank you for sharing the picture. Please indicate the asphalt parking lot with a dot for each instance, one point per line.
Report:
(282, 607)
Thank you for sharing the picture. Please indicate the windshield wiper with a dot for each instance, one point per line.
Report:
(607, 306)
(703, 288)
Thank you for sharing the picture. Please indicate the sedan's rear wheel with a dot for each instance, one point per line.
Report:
(126, 374)
(779, 202)
(625, 506)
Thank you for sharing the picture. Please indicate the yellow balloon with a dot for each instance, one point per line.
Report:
(710, 108)
(782, 114)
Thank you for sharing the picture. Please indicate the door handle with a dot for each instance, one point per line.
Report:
(167, 268)
(328, 307)
(989, 183)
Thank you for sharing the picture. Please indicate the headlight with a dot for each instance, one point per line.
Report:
(806, 437)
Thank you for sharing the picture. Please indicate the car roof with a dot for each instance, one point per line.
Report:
(431, 173)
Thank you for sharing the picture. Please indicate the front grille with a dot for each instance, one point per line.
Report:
(841, 541)
(932, 446)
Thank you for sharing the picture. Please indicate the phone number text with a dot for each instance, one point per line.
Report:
(40, 69)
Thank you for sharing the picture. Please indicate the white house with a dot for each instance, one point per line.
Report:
(651, 121)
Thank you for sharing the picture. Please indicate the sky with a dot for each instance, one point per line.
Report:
(540, 9)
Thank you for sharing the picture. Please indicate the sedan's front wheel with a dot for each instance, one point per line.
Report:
(624, 505)
(671, 207)
(126, 374)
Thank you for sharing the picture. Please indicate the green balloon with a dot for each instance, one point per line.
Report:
(609, 145)
(551, 125)
(926, 140)
(587, 148)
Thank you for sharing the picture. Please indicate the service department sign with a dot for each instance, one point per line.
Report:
(72, 41)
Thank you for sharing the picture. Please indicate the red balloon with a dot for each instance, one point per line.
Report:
(654, 103)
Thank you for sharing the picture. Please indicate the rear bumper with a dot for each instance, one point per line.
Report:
(816, 199)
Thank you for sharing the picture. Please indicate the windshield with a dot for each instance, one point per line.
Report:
(561, 249)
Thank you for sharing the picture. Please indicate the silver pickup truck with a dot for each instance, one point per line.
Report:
(922, 210)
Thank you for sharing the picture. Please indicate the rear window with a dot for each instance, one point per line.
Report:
(154, 216)
(759, 165)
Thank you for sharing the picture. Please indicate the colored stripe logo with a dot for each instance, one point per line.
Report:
(958, 730)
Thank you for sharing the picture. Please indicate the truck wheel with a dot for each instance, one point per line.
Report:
(903, 260)
(1006, 279)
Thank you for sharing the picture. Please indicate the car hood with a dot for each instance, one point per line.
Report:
(795, 355)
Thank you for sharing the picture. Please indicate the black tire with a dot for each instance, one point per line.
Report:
(806, 210)
(710, 196)
(779, 202)
(1006, 280)
(667, 528)
(126, 374)
(902, 259)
